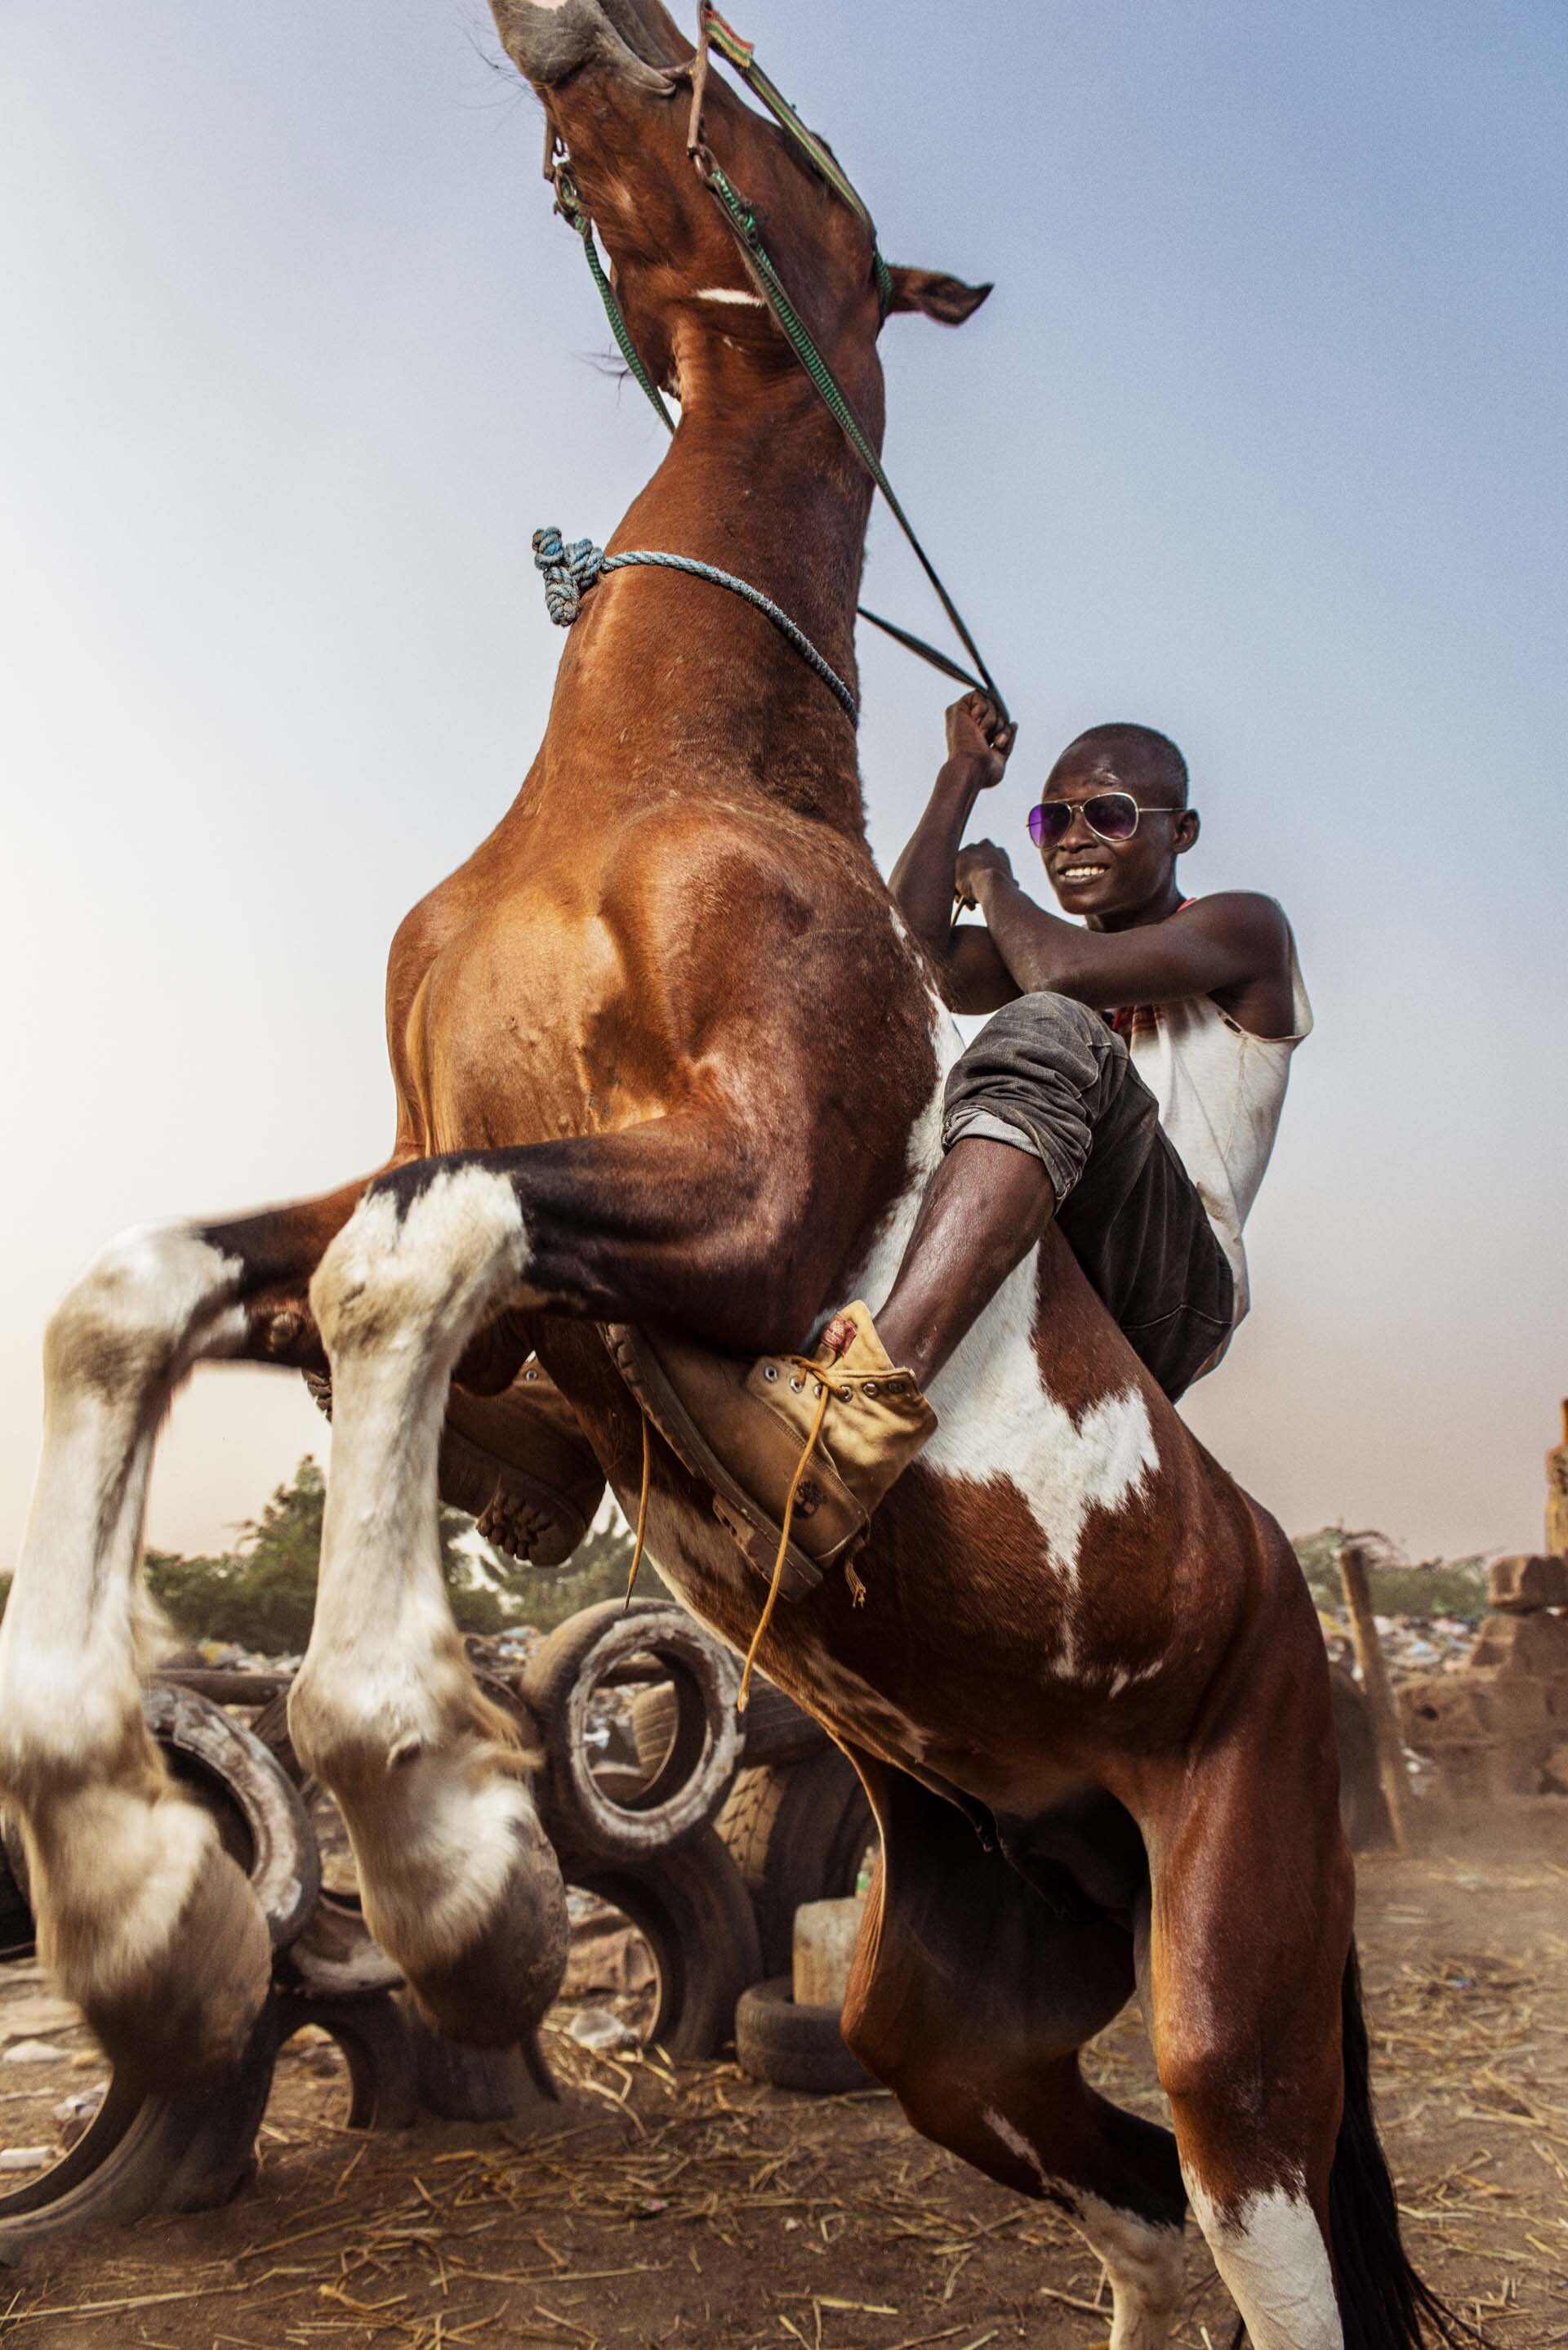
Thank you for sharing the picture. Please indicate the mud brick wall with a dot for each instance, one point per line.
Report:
(1500, 1728)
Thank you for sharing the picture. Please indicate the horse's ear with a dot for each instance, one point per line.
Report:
(947, 298)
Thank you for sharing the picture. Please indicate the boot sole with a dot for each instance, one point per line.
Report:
(754, 1532)
(558, 1523)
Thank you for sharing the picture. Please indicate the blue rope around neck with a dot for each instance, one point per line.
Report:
(571, 567)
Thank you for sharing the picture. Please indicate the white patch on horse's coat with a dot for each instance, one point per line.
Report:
(427, 1277)
(1017, 2144)
(1142, 2261)
(1271, 2253)
(384, 1709)
(729, 294)
(995, 1415)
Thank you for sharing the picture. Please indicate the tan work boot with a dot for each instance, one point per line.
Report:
(747, 1429)
(518, 1461)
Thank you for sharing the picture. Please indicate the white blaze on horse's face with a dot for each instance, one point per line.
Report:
(996, 1416)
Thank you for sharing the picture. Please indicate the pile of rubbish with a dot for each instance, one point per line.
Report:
(1412, 1645)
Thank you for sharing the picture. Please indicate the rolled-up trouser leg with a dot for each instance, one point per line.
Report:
(1052, 1077)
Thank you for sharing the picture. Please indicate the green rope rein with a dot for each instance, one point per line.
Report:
(570, 207)
(742, 222)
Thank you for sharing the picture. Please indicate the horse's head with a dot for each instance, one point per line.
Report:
(615, 78)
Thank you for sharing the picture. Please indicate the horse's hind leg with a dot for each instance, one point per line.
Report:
(142, 1916)
(971, 1998)
(1252, 1913)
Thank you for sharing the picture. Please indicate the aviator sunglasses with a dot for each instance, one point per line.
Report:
(1111, 815)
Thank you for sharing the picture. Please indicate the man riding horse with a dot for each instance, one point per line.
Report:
(668, 1069)
(1130, 1088)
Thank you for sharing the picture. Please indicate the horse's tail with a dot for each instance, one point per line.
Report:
(1384, 2305)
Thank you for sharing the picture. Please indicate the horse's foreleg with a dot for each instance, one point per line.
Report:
(670, 1218)
(142, 1919)
(1252, 1898)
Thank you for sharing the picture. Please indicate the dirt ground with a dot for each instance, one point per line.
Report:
(688, 2208)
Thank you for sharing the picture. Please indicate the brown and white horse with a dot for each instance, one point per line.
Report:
(664, 1055)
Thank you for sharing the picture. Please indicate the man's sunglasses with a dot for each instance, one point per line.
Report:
(1111, 815)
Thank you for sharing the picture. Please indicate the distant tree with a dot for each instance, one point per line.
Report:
(261, 1594)
(1455, 1587)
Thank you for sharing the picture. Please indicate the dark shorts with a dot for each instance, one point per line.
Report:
(1048, 1076)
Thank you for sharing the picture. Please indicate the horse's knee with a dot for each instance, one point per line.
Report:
(1242, 2099)
(434, 1247)
(135, 1318)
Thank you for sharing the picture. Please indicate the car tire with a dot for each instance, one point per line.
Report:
(334, 1956)
(793, 2047)
(774, 1729)
(459, 2083)
(797, 1832)
(142, 2154)
(684, 1792)
(694, 1912)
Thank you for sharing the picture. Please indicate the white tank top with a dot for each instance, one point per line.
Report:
(1221, 1091)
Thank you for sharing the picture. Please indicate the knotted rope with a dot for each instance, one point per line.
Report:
(570, 567)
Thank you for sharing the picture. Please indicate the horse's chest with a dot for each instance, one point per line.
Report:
(528, 1031)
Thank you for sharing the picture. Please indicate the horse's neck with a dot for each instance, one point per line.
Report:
(675, 669)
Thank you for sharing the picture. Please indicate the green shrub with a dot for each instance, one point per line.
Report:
(1453, 1586)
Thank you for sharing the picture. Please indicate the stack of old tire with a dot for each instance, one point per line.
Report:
(798, 1828)
(704, 1828)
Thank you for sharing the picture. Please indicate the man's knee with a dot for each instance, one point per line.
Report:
(1043, 1022)
(1044, 1069)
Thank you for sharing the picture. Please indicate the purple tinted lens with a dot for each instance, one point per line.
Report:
(1113, 814)
(1049, 823)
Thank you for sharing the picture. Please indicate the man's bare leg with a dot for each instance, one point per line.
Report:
(984, 1209)
(751, 1427)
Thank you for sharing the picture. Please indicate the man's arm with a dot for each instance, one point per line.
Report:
(1217, 944)
(973, 975)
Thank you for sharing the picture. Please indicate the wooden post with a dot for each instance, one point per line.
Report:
(1557, 1492)
(1380, 1705)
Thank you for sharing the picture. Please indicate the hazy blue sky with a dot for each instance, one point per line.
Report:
(1260, 440)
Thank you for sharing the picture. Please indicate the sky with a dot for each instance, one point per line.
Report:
(1260, 440)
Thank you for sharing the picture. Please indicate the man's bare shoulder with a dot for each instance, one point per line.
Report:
(1239, 914)
(1256, 934)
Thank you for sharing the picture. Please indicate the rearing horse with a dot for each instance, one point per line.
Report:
(665, 1055)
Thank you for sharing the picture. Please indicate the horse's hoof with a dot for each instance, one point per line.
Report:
(495, 1990)
(183, 2019)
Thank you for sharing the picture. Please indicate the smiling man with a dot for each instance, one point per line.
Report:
(1128, 1086)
